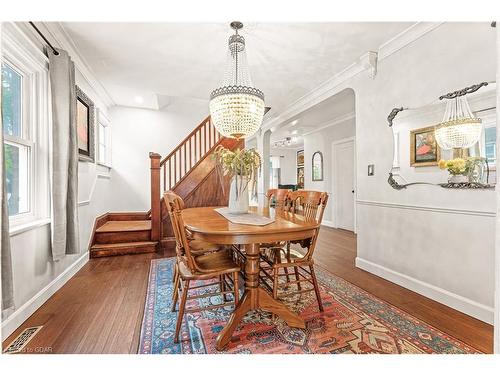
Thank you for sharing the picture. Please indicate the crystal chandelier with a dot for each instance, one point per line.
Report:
(459, 128)
(236, 107)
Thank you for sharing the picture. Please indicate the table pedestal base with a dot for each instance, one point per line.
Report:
(256, 298)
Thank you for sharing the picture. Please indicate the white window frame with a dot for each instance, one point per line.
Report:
(489, 120)
(19, 52)
(103, 122)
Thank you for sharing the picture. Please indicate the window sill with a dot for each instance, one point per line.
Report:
(104, 165)
(21, 228)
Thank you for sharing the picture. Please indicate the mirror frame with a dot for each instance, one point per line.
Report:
(447, 185)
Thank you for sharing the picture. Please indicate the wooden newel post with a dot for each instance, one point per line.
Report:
(155, 196)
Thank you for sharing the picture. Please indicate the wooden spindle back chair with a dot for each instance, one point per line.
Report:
(217, 265)
(308, 203)
(311, 205)
(279, 197)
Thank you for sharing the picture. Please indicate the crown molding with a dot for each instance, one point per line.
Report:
(317, 95)
(63, 40)
(368, 61)
(406, 37)
(335, 121)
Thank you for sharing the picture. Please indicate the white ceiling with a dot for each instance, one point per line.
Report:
(335, 109)
(160, 62)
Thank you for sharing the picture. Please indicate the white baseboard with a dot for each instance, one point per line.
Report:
(455, 301)
(25, 311)
(328, 223)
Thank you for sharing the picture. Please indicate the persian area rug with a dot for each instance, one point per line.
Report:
(354, 321)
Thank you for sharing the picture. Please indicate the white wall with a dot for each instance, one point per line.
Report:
(136, 132)
(288, 164)
(437, 242)
(322, 141)
(36, 276)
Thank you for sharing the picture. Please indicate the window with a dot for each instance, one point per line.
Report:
(25, 119)
(103, 140)
(490, 139)
(18, 145)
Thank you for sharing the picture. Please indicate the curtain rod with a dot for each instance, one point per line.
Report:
(44, 38)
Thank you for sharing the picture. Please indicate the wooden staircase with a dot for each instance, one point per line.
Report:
(190, 172)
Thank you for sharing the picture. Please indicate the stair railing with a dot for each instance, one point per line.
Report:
(167, 173)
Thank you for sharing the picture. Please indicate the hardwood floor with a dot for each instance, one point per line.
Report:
(336, 252)
(100, 309)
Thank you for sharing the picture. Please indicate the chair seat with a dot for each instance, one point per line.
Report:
(201, 247)
(210, 265)
(271, 255)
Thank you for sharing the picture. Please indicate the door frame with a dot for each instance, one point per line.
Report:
(335, 213)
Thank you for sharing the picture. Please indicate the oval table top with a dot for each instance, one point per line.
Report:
(206, 223)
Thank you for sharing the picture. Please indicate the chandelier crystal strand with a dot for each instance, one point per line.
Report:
(237, 108)
(459, 128)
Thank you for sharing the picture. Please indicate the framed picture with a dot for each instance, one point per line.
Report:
(317, 166)
(300, 158)
(85, 124)
(424, 150)
(300, 178)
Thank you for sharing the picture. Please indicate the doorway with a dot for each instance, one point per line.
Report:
(344, 183)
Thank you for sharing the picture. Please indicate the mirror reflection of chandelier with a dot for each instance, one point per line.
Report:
(236, 107)
(459, 128)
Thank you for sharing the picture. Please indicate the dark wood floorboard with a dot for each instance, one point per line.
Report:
(100, 309)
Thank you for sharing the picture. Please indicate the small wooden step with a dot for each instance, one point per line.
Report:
(125, 226)
(113, 232)
(124, 248)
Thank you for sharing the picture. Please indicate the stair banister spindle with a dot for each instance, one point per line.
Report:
(205, 136)
(190, 154)
(164, 177)
(185, 159)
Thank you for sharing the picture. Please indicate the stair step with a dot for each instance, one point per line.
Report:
(102, 250)
(123, 232)
(125, 226)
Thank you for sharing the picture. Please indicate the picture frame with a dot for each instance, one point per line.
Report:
(300, 158)
(317, 166)
(424, 150)
(85, 126)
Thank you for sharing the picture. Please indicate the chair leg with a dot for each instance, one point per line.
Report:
(316, 288)
(275, 283)
(182, 307)
(176, 269)
(223, 287)
(175, 295)
(288, 260)
(236, 284)
(297, 277)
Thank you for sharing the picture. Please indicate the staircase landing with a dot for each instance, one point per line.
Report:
(125, 226)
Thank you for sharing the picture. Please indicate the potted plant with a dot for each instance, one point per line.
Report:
(242, 166)
(462, 170)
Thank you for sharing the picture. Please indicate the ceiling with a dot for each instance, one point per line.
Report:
(335, 109)
(152, 64)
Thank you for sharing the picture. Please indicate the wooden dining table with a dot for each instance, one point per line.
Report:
(206, 224)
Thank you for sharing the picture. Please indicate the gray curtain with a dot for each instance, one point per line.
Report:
(64, 181)
(7, 289)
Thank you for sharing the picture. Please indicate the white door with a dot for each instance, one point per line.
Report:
(344, 184)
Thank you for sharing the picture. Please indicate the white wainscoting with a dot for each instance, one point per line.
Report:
(465, 305)
(451, 263)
